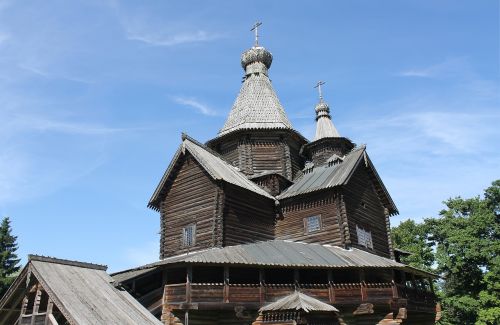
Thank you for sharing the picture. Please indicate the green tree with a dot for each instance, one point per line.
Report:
(465, 242)
(412, 237)
(9, 263)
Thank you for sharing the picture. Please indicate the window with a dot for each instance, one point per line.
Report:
(364, 237)
(312, 224)
(188, 235)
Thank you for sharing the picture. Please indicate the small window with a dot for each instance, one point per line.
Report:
(364, 237)
(312, 224)
(188, 235)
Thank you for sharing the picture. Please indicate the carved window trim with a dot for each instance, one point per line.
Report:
(188, 238)
(312, 224)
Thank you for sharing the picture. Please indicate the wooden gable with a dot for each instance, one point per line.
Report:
(192, 199)
(367, 215)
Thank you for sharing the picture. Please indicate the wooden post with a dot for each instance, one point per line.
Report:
(189, 278)
(36, 304)
(262, 289)
(186, 317)
(50, 306)
(331, 291)
(362, 282)
(226, 284)
(296, 279)
(24, 306)
(393, 285)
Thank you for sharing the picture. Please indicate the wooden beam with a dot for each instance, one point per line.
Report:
(50, 307)
(226, 284)
(189, 278)
(262, 289)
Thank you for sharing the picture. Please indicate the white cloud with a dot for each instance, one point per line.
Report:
(449, 67)
(158, 39)
(194, 103)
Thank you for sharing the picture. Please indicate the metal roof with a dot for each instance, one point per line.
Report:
(214, 165)
(325, 176)
(283, 253)
(84, 293)
(277, 253)
(257, 105)
(298, 301)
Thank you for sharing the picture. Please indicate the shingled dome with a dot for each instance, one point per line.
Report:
(299, 301)
(257, 106)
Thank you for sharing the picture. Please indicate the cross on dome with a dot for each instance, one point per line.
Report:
(318, 85)
(255, 28)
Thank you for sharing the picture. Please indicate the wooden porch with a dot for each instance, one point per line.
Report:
(253, 296)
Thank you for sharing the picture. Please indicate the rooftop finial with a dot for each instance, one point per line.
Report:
(255, 29)
(318, 85)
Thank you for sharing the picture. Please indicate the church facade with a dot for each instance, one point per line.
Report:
(259, 225)
(259, 213)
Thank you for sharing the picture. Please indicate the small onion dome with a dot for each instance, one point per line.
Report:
(322, 109)
(256, 54)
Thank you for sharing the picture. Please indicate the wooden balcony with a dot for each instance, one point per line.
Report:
(184, 295)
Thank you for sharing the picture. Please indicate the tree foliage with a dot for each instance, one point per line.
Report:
(9, 263)
(463, 246)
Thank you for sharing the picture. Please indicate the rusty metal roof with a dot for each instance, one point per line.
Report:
(325, 176)
(298, 301)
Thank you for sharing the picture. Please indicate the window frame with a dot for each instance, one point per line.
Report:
(365, 237)
(306, 224)
(184, 233)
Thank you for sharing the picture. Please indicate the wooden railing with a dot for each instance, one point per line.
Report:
(345, 293)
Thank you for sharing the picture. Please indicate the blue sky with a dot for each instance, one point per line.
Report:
(94, 96)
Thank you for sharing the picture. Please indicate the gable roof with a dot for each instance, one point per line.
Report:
(334, 174)
(83, 292)
(299, 301)
(212, 163)
(256, 107)
(325, 176)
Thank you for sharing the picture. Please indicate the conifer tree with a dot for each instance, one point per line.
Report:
(9, 263)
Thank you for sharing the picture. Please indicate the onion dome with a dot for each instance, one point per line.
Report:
(257, 105)
(256, 54)
(324, 124)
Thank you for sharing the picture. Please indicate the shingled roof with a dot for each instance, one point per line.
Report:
(84, 293)
(299, 301)
(214, 165)
(257, 106)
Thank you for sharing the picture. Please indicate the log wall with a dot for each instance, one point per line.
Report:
(248, 217)
(192, 199)
(365, 209)
(291, 225)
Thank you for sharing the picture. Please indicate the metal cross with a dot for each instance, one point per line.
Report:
(255, 29)
(318, 85)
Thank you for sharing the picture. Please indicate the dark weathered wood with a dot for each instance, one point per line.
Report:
(249, 219)
(192, 199)
(291, 225)
(365, 209)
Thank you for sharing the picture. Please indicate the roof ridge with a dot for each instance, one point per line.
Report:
(185, 136)
(49, 259)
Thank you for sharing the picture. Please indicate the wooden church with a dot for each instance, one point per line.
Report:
(261, 226)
